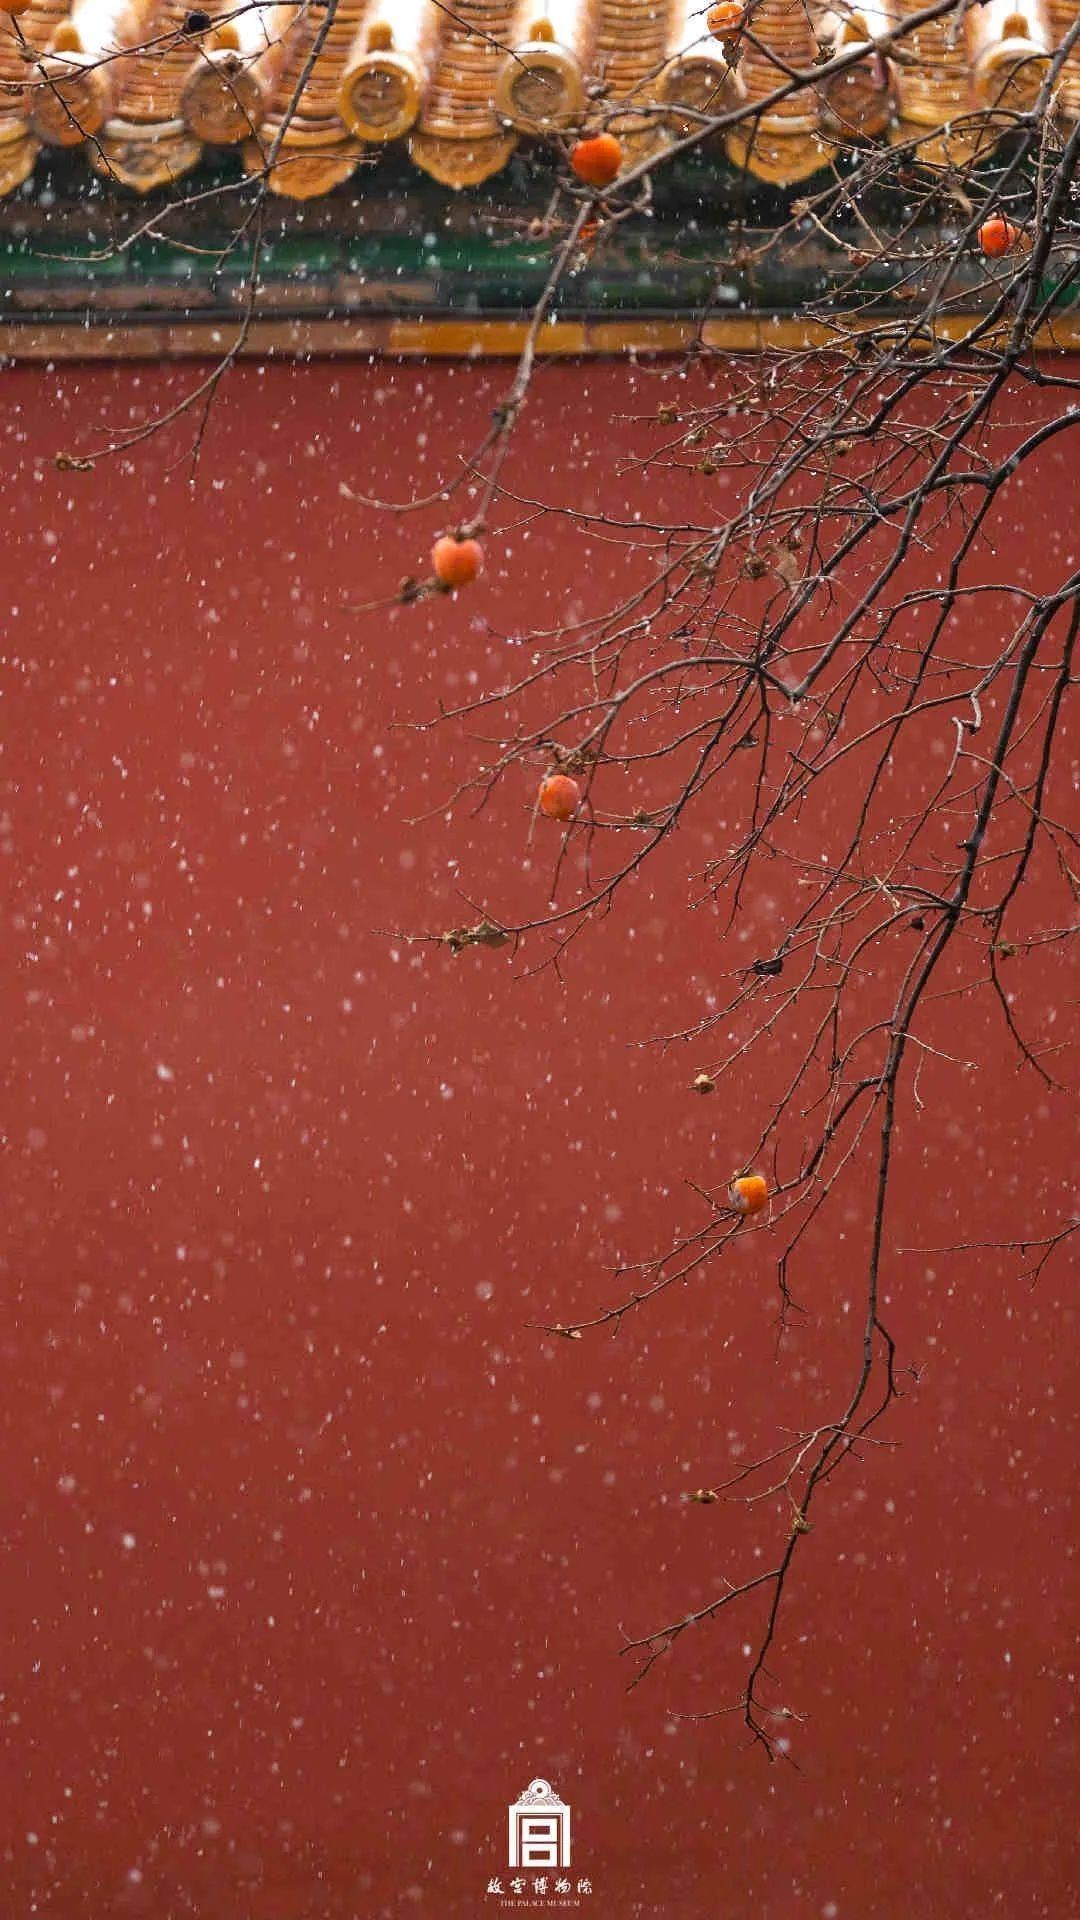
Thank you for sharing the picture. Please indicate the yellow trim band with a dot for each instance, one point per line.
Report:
(448, 337)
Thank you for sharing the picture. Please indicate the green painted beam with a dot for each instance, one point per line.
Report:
(390, 241)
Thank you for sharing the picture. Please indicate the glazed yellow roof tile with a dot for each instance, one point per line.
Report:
(143, 86)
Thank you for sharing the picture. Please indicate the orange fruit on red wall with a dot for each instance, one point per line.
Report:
(455, 562)
(560, 796)
(726, 20)
(998, 236)
(750, 1193)
(597, 160)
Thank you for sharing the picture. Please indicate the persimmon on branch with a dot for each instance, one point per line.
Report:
(785, 657)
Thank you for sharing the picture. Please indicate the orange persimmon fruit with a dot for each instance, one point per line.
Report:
(455, 562)
(998, 236)
(15, 6)
(750, 1193)
(597, 159)
(559, 796)
(726, 20)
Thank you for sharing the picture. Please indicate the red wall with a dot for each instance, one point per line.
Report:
(315, 1555)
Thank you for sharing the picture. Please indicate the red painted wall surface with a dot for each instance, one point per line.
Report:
(314, 1554)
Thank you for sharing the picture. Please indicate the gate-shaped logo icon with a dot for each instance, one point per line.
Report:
(539, 1828)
